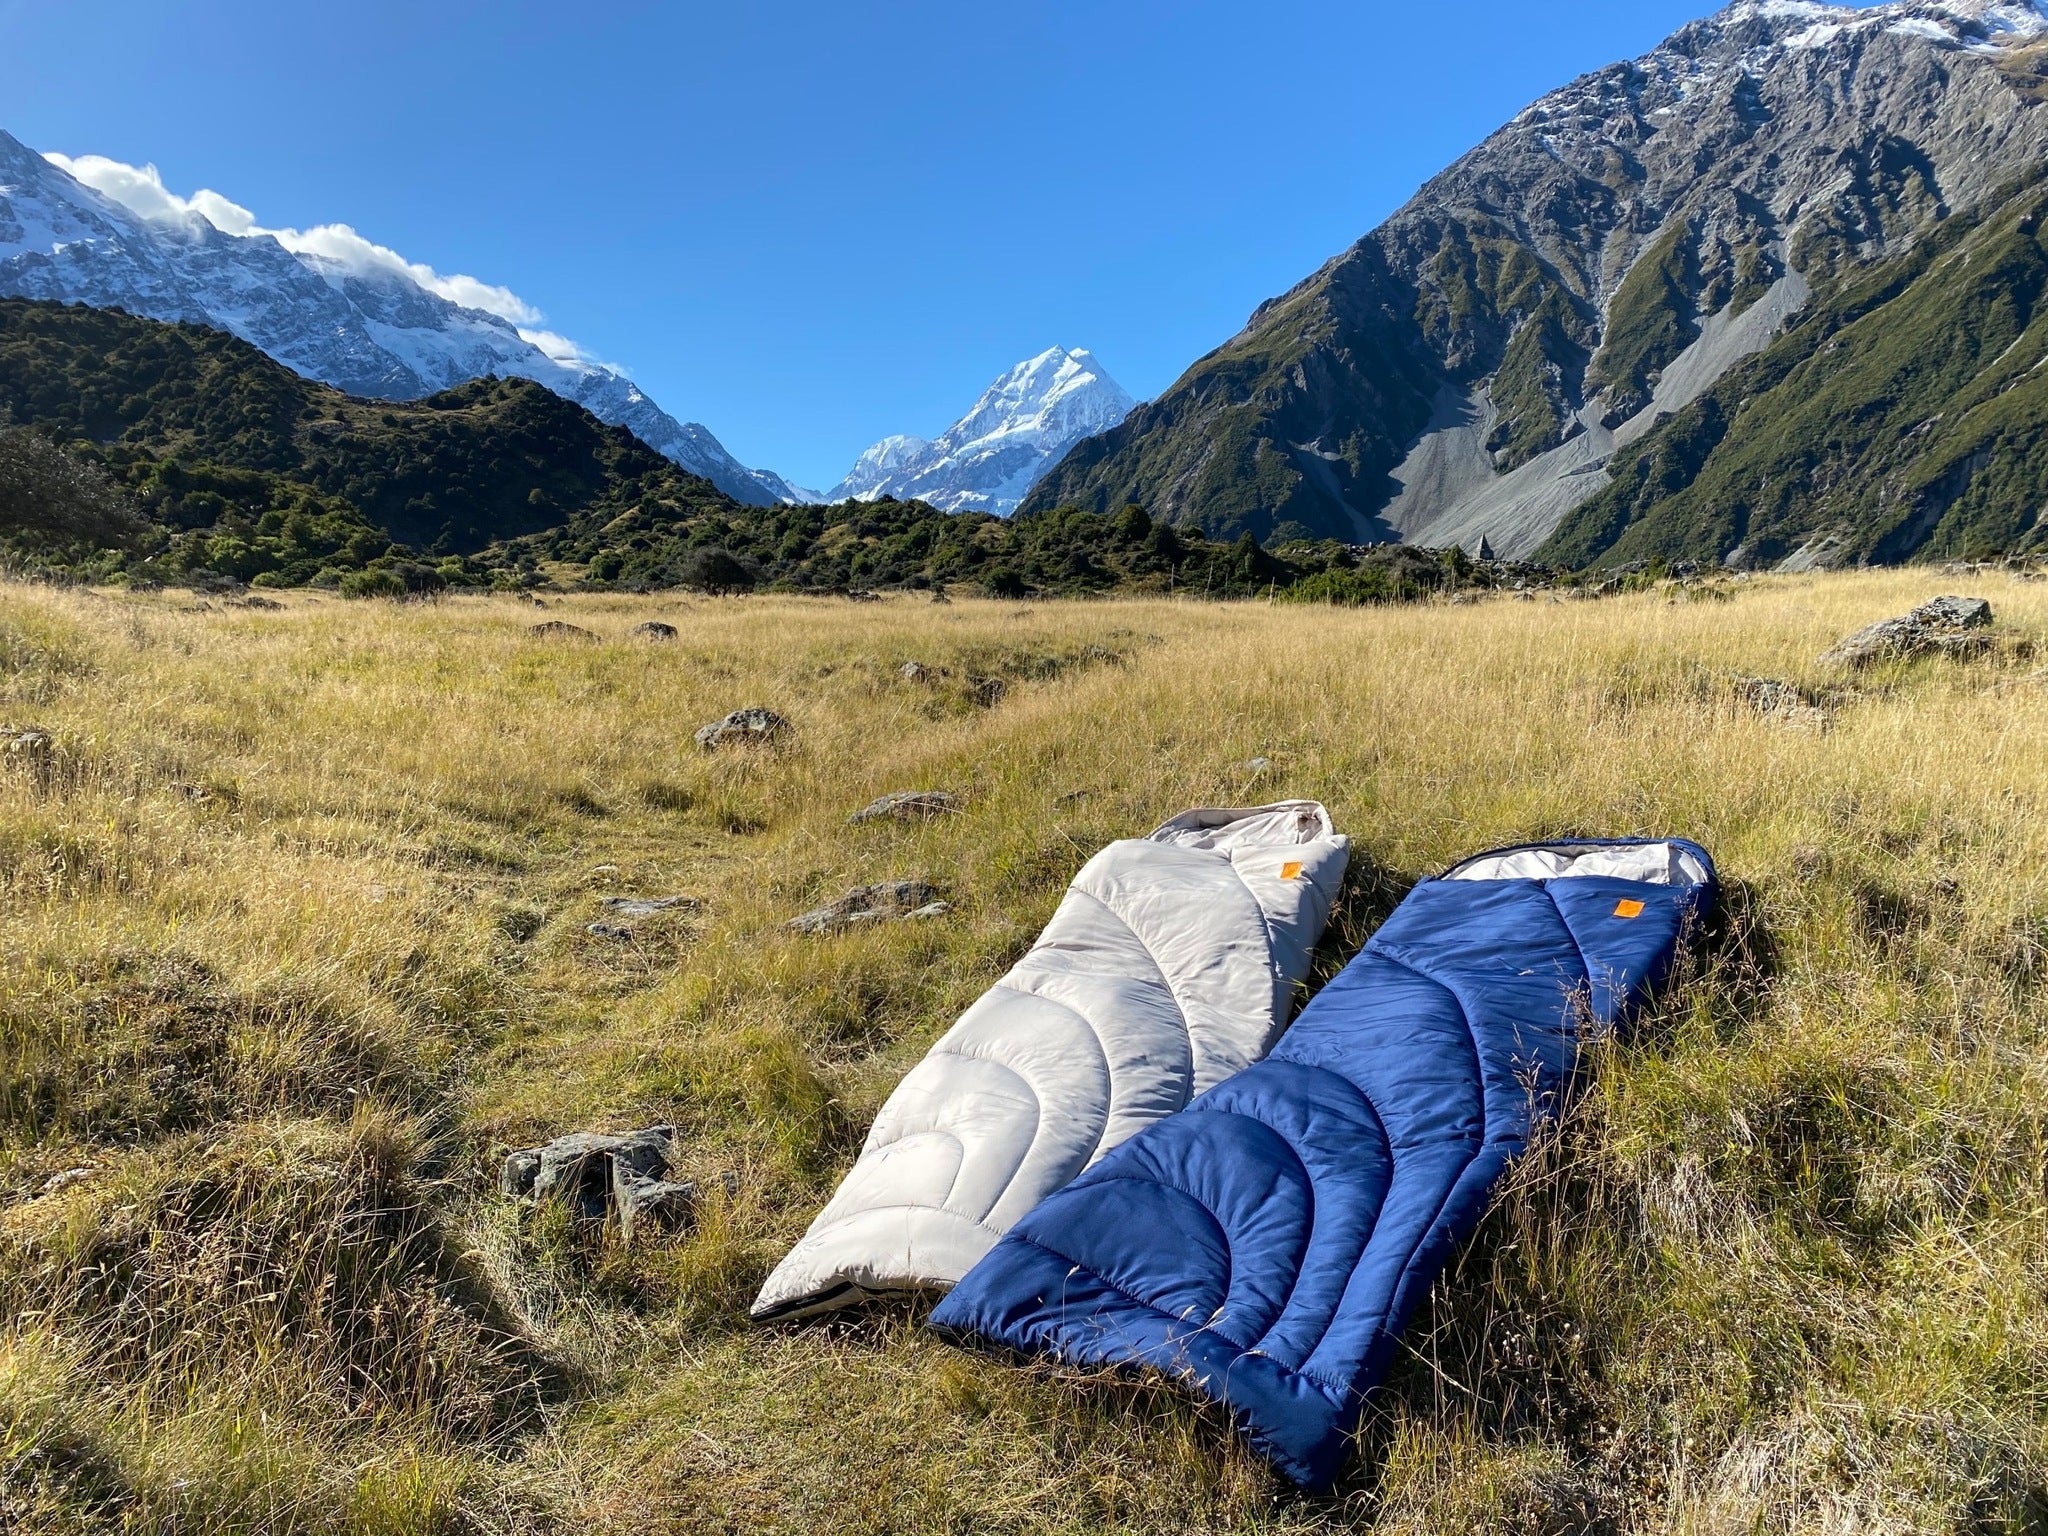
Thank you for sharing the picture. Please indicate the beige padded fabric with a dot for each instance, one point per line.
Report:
(1169, 966)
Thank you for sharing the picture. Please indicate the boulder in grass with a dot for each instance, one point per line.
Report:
(908, 805)
(643, 1201)
(752, 726)
(585, 1171)
(655, 632)
(892, 901)
(1785, 703)
(555, 629)
(1948, 626)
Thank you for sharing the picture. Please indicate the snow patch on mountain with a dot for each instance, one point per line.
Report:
(988, 461)
(325, 301)
(1973, 24)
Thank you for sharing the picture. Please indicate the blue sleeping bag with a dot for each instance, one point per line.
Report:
(1268, 1243)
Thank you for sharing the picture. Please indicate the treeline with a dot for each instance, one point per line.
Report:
(143, 452)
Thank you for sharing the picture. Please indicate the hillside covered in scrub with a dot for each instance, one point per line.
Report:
(1494, 361)
(245, 472)
(313, 911)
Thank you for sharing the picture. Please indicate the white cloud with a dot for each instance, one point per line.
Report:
(560, 347)
(141, 190)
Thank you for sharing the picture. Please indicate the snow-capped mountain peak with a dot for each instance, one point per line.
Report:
(1979, 25)
(987, 461)
(325, 302)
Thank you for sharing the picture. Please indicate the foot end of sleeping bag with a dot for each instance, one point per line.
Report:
(1267, 1245)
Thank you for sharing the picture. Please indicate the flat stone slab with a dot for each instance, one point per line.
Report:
(648, 906)
(908, 805)
(752, 726)
(892, 901)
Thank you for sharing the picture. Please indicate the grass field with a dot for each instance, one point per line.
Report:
(294, 945)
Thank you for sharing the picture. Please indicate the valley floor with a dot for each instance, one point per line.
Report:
(295, 943)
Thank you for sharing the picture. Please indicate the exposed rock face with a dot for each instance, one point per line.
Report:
(1464, 372)
(909, 805)
(1948, 626)
(556, 629)
(889, 902)
(753, 726)
(654, 630)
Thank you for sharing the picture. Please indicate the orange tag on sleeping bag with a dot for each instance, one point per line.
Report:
(1290, 871)
(1628, 909)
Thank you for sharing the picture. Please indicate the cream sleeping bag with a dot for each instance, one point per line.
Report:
(1170, 965)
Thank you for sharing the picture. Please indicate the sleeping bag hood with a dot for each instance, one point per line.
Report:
(1268, 1245)
(1169, 966)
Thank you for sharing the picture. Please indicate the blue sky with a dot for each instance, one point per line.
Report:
(811, 224)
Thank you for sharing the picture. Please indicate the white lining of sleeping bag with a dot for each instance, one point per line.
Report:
(1169, 966)
(1646, 863)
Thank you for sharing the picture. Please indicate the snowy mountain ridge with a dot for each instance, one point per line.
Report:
(989, 460)
(326, 302)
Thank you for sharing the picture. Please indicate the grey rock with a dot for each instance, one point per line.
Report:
(646, 1202)
(988, 692)
(1257, 765)
(1785, 703)
(584, 1170)
(27, 750)
(648, 906)
(1950, 626)
(917, 672)
(516, 1176)
(555, 629)
(908, 805)
(751, 726)
(628, 911)
(891, 901)
(656, 631)
(57, 1183)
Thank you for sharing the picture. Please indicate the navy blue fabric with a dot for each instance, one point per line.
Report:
(1269, 1243)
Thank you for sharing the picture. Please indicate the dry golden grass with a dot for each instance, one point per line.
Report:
(294, 943)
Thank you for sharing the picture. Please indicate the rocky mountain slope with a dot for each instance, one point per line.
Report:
(989, 460)
(1474, 367)
(371, 329)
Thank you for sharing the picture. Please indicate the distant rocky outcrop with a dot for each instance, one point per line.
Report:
(1948, 626)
